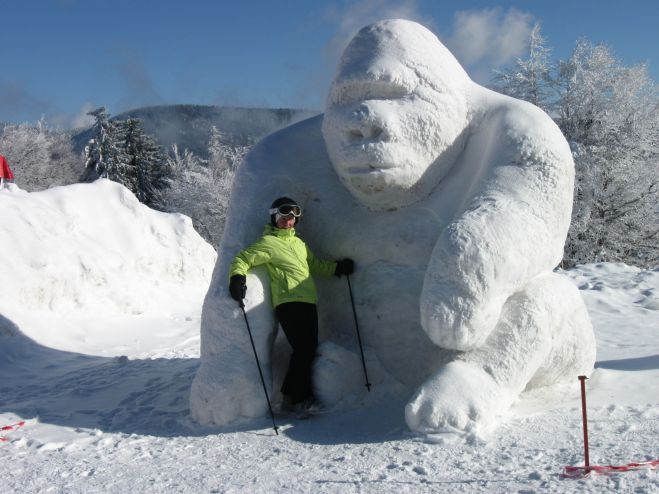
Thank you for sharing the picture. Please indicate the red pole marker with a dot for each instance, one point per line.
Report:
(585, 421)
(580, 472)
(11, 427)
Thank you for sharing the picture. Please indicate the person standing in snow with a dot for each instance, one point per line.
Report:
(5, 171)
(290, 266)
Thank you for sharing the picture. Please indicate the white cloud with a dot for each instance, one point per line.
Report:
(353, 16)
(490, 36)
(81, 119)
(347, 18)
(481, 40)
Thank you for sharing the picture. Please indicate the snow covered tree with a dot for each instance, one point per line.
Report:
(41, 157)
(65, 163)
(201, 188)
(609, 114)
(26, 149)
(104, 155)
(193, 194)
(148, 171)
(225, 157)
(122, 152)
(528, 78)
(225, 153)
(180, 162)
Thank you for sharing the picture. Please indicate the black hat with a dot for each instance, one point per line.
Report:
(282, 201)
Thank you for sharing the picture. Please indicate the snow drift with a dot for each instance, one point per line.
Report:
(82, 242)
(84, 251)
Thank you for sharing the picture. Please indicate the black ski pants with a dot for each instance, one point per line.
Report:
(299, 320)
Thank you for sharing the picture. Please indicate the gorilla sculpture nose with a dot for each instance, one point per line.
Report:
(365, 133)
(365, 126)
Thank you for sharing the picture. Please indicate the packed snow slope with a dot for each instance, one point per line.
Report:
(98, 362)
(88, 251)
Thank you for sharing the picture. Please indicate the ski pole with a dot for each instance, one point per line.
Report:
(585, 421)
(265, 391)
(359, 339)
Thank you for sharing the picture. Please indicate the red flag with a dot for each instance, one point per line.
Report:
(5, 171)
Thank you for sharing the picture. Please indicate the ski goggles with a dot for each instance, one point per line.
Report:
(287, 210)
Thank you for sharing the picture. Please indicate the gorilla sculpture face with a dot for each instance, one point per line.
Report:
(394, 113)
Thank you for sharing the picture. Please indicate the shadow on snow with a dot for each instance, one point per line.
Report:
(631, 364)
(149, 397)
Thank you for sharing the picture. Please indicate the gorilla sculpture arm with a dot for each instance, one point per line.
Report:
(513, 229)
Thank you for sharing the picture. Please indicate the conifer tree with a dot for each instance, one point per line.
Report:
(104, 157)
(148, 170)
(122, 152)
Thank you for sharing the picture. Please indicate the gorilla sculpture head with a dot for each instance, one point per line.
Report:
(394, 114)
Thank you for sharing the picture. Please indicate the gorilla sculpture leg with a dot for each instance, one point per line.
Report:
(537, 341)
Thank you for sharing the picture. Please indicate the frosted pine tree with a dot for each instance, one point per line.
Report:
(104, 156)
(147, 173)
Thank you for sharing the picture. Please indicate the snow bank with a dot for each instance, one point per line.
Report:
(94, 248)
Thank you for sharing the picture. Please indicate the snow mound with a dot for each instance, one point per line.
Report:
(94, 248)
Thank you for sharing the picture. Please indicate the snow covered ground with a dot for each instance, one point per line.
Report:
(100, 302)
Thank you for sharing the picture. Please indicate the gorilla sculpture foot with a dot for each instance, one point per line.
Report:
(460, 397)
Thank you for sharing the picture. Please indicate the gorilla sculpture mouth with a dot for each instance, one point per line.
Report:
(369, 168)
(359, 159)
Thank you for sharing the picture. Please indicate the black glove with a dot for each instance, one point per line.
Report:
(238, 287)
(344, 266)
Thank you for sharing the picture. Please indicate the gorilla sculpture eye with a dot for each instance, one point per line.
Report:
(353, 91)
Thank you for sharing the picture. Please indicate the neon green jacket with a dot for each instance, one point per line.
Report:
(289, 262)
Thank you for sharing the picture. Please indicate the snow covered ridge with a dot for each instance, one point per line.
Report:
(94, 247)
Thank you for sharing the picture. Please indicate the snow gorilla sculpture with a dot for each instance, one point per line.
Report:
(454, 202)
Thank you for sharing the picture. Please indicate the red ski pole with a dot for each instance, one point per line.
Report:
(585, 421)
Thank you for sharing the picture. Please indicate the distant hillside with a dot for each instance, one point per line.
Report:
(189, 126)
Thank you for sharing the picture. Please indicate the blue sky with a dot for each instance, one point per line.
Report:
(60, 58)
